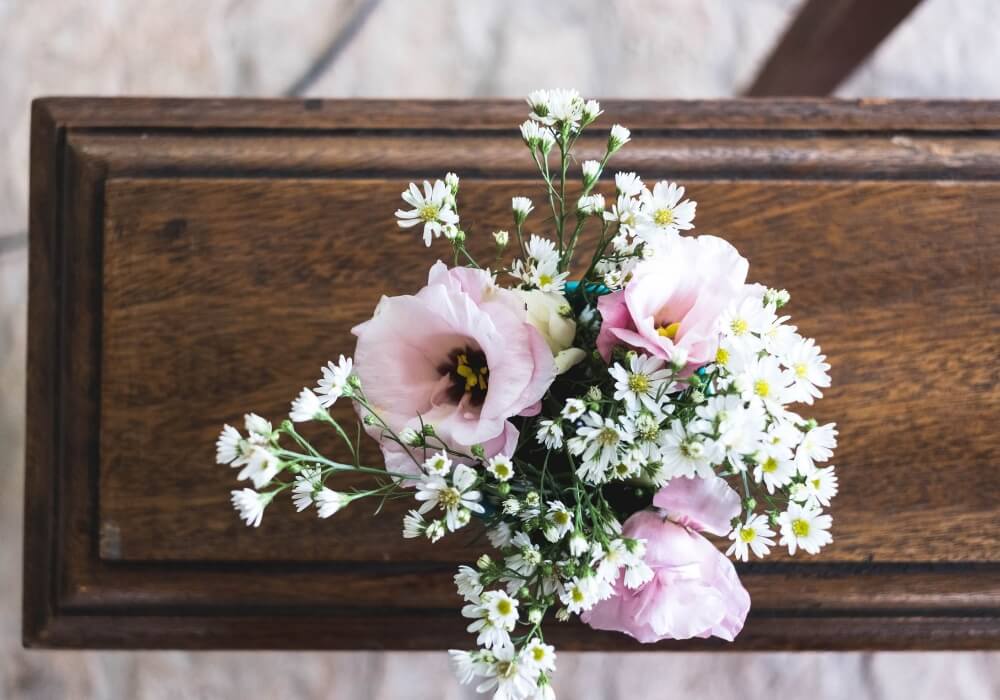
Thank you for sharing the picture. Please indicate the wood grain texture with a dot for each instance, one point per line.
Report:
(192, 260)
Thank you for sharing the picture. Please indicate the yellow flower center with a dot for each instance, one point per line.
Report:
(638, 383)
(762, 388)
(501, 470)
(538, 654)
(770, 465)
(607, 436)
(429, 212)
(722, 356)
(577, 595)
(800, 527)
(669, 331)
(816, 483)
(544, 280)
(739, 326)
(747, 534)
(471, 376)
(503, 607)
(800, 370)
(449, 497)
(663, 217)
(560, 517)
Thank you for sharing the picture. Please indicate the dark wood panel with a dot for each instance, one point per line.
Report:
(180, 249)
(825, 42)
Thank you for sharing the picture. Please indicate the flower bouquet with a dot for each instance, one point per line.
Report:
(597, 427)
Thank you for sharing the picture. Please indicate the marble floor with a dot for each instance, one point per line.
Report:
(437, 48)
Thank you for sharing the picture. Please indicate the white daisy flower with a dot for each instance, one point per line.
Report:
(306, 407)
(306, 483)
(685, 454)
(455, 498)
(547, 278)
(816, 446)
(433, 208)
(542, 250)
(468, 583)
(229, 448)
(501, 467)
(500, 535)
(469, 665)
(591, 170)
(328, 502)
(804, 527)
(259, 429)
(579, 594)
(753, 535)
(747, 319)
(501, 238)
(591, 205)
(413, 525)
(522, 206)
(618, 137)
(601, 439)
(772, 470)
(663, 212)
(628, 184)
(512, 679)
(538, 136)
(438, 464)
(798, 492)
(527, 556)
(644, 383)
(765, 382)
(578, 544)
(250, 505)
(591, 110)
(495, 616)
(550, 434)
(538, 656)
(558, 521)
(822, 485)
(262, 466)
(808, 368)
(334, 382)
(562, 107)
(625, 211)
(573, 410)
(435, 530)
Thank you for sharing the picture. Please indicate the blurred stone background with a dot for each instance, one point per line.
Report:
(434, 48)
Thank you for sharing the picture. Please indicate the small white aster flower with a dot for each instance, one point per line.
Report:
(438, 464)
(578, 544)
(618, 137)
(522, 206)
(495, 616)
(591, 110)
(822, 485)
(512, 679)
(804, 527)
(550, 434)
(500, 535)
(433, 208)
(808, 368)
(753, 535)
(328, 502)
(748, 319)
(628, 184)
(468, 583)
(435, 530)
(527, 556)
(558, 521)
(816, 446)
(773, 471)
(564, 107)
(469, 665)
(591, 205)
(579, 594)
(306, 407)
(574, 409)
(306, 483)
(764, 381)
(798, 492)
(258, 428)
(501, 238)
(538, 136)
(685, 454)
(334, 382)
(644, 383)
(539, 656)
(591, 170)
(250, 505)
(663, 212)
(625, 211)
(501, 467)
(228, 448)
(454, 498)
(413, 525)
(262, 466)
(602, 438)
(411, 437)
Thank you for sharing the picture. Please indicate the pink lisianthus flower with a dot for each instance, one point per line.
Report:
(695, 591)
(673, 305)
(461, 356)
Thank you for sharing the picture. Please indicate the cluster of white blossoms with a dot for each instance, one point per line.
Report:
(594, 427)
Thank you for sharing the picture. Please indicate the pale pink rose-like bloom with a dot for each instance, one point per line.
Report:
(675, 300)
(695, 591)
(459, 355)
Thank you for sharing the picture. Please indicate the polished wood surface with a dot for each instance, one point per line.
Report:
(192, 260)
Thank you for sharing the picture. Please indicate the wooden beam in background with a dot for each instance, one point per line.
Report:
(826, 41)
